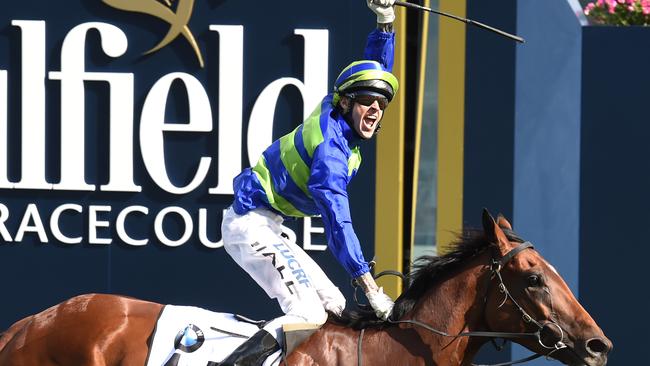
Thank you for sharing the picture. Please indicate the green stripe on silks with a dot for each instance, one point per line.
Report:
(298, 170)
(278, 202)
(312, 136)
(354, 161)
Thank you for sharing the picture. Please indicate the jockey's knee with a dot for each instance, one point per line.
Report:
(310, 313)
(318, 316)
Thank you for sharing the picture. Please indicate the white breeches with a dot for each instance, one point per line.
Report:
(280, 267)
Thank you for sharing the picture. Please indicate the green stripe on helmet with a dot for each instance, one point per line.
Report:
(374, 71)
(370, 75)
(358, 66)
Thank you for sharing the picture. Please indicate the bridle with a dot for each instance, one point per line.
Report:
(495, 272)
(495, 268)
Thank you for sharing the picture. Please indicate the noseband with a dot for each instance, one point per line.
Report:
(495, 272)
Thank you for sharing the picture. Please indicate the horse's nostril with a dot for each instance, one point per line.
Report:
(598, 346)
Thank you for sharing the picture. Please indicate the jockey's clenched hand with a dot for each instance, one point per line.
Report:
(381, 303)
(383, 9)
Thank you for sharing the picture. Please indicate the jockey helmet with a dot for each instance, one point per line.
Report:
(365, 75)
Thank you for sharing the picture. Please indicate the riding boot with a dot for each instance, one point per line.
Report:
(254, 351)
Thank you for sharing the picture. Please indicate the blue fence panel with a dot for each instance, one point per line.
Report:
(614, 194)
(547, 136)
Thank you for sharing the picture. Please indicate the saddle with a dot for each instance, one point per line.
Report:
(193, 336)
(295, 334)
(187, 335)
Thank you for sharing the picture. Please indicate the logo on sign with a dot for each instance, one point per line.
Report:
(178, 20)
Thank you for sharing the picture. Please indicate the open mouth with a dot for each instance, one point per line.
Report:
(370, 121)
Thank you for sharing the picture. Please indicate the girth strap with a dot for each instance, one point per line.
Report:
(359, 347)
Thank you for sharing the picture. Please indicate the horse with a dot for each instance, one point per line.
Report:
(492, 284)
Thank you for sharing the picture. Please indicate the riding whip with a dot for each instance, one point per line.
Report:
(464, 20)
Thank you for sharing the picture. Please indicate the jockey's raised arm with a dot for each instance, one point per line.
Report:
(306, 173)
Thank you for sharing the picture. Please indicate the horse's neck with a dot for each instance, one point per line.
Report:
(454, 305)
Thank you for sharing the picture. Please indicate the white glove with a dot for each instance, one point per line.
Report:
(383, 9)
(384, 3)
(381, 303)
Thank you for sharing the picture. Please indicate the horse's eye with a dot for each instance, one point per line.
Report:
(534, 280)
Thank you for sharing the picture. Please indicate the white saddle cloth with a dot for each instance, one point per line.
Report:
(191, 336)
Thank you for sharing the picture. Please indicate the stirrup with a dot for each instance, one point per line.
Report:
(258, 323)
(296, 333)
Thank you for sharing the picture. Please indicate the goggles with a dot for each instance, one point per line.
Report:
(368, 99)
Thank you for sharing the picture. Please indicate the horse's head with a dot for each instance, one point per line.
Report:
(527, 295)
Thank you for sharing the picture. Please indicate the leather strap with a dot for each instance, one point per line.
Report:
(505, 335)
(506, 258)
(359, 347)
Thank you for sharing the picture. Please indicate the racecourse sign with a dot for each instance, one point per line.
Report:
(73, 77)
(114, 43)
(122, 125)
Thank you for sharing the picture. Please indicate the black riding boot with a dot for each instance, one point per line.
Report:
(254, 351)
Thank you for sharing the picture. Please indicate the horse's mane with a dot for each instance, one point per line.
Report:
(426, 272)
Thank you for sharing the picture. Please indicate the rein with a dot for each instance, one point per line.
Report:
(495, 269)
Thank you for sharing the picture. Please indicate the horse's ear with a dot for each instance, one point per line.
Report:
(503, 223)
(493, 232)
(488, 225)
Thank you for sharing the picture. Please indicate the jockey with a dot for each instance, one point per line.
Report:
(306, 173)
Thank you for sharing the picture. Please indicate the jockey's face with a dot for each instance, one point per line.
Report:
(364, 118)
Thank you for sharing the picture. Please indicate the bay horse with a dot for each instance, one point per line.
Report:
(492, 285)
